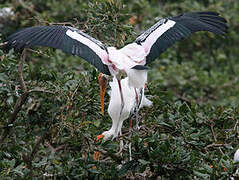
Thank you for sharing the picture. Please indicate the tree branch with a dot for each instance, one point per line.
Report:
(41, 90)
(20, 67)
(38, 52)
(28, 158)
(214, 145)
(20, 101)
(235, 126)
(52, 149)
(215, 139)
(25, 6)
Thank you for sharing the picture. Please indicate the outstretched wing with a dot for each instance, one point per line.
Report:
(167, 31)
(68, 39)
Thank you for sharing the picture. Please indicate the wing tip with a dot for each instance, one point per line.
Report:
(208, 13)
(140, 67)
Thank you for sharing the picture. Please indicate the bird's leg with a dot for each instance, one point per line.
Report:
(121, 97)
(137, 109)
(121, 109)
(130, 135)
(121, 144)
(139, 98)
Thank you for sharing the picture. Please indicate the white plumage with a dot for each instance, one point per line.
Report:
(148, 43)
(129, 96)
(236, 156)
(137, 78)
(126, 58)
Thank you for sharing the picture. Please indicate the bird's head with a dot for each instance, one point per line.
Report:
(103, 81)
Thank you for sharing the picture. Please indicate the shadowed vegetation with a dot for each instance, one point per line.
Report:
(50, 107)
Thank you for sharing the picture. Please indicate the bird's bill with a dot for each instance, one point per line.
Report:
(103, 84)
(102, 96)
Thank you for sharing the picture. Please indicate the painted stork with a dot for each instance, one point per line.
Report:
(131, 59)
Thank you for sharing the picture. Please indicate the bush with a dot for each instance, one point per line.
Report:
(48, 130)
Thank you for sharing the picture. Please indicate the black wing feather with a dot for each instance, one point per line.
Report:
(56, 37)
(185, 25)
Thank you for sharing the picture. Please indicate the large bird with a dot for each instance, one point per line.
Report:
(131, 59)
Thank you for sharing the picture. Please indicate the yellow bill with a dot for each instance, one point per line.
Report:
(103, 84)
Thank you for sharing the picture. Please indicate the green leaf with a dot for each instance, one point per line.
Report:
(144, 162)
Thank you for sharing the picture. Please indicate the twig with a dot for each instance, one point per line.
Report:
(27, 7)
(20, 67)
(215, 139)
(28, 159)
(21, 100)
(63, 23)
(113, 156)
(181, 97)
(229, 84)
(40, 90)
(235, 127)
(74, 93)
(53, 23)
(121, 145)
(130, 135)
(55, 149)
(38, 52)
(35, 147)
(106, 162)
(214, 145)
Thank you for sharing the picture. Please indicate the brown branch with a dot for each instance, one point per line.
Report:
(181, 97)
(214, 145)
(235, 127)
(17, 108)
(106, 162)
(35, 147)
(53, 23)
(215, 138)
(75, 91)
(113, 156)
(40, 90)
(38, 52)
(30, 9)
(63, 23)
(52, 149)
(20, 101)
(229, 84)
(20, 67)
(28, 158)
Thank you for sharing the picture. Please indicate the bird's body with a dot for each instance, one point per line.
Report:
(127, 57)
(130, 95)
(131, 59)
(236, 156)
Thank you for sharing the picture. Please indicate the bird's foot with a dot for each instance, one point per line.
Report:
(107, 135)
(138, 127)
(121, 143)
(115, 135)
(137, 122)
(99, 138)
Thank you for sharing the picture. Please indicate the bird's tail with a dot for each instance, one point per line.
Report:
(140, 67)
(137, 76)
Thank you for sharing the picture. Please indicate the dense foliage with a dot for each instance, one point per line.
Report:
(48, 127)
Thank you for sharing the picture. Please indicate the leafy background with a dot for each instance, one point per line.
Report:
(190, 132)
